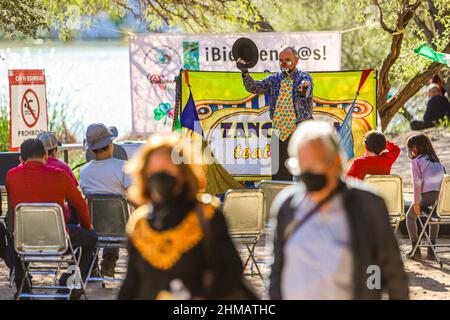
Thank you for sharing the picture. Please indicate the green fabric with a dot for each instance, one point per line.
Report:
(426, 51)
(176, 124)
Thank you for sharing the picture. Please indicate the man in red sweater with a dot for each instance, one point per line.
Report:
(35, 181)
(379, 157)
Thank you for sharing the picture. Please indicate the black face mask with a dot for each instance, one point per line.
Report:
(164, 184)
(313, 181)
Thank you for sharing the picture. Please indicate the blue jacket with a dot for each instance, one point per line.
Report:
(271, 86)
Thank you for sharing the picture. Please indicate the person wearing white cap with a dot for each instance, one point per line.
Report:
(438, 107)
(51, 144)
(104, 175)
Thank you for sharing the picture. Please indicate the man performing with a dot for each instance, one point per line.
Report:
(290, 100)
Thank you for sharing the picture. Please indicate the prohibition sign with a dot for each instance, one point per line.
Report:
(30, 108)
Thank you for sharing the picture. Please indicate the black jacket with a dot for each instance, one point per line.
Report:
(372, 240)
(144, 281)
(437, 108)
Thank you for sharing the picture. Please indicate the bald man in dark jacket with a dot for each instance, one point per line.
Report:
(371, 237)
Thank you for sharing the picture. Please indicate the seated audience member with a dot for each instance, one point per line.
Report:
(438, 107)
(379, 157)
(35, 182)
(427, 173)
(104, 175)
(51, 144)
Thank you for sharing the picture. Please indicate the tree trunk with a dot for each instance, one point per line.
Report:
(399, 100)
(388, 109)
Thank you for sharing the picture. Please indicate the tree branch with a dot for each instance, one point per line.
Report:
(405, 14)
(409, 90)
(434, 13)
(422, 25)
(382, 23)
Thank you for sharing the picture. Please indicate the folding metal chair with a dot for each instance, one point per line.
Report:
(270, 189)
(44, 247)
(109, 216)
(442, 209)
(390, 188)
(3, 203)
(244, 211)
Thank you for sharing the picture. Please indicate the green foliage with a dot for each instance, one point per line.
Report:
(58, 118)
(71, 16)
(22, 17)
(59, 113)
(4, 125)
(367, 46)
(444, 123)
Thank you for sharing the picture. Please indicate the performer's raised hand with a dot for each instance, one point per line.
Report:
(302, 88)
(240, 64)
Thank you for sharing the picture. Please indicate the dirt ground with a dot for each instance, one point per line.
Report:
(426, 279)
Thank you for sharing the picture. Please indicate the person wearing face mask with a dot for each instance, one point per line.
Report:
(290, 103)
(177, 236)
(427, 172)
(329, 233)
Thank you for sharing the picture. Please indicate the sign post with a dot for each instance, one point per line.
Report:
(27, 106)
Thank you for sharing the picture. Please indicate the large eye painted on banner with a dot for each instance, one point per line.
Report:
(204, 111)
(362, 109)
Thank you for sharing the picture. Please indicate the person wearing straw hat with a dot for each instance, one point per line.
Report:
(104, 175)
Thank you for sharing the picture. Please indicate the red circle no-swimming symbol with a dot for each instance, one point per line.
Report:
(30, 108)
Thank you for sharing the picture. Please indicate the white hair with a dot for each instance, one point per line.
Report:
(314, 131)
(433, 86)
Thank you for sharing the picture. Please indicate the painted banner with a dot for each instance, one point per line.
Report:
(156, 59)
(237, 126)
(28, 106)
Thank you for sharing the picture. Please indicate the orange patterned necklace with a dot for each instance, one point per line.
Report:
(163, 249)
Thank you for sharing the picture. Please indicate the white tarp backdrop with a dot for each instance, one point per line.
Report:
(156, 59)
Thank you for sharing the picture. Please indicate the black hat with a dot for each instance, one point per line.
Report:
(247, 50)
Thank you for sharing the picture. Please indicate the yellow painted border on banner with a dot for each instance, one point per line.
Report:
(333, 95)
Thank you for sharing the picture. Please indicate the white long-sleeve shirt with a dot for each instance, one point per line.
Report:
(318, 261)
